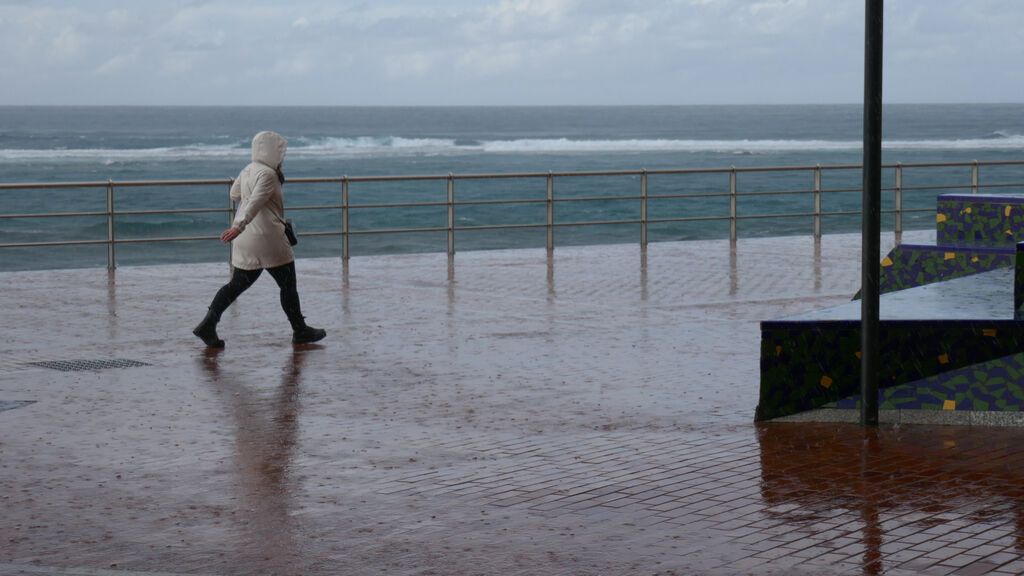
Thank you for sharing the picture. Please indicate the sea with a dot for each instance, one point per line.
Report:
(131, 144)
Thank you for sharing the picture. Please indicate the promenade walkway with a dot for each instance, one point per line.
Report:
(508, 415)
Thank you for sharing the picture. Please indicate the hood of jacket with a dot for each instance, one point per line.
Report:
(269, 148)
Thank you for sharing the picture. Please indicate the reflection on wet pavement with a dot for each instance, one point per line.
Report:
(509, 412)
(915, 497)
(267, 431)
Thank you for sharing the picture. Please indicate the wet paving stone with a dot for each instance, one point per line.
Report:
(505, 413)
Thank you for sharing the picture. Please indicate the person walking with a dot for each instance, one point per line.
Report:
(258, 242)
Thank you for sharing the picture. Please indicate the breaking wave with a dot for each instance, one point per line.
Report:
(399, 146)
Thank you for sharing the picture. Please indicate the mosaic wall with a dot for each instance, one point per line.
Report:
(805, 365)
(973, 234)
(967, 220)
(928, 364)
(1018, 283)
(996, 385)
(911, 265)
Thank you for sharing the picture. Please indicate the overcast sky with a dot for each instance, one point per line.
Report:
(518, 52)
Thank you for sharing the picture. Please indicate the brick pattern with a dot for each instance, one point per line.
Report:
(822, 498)
(590, 416)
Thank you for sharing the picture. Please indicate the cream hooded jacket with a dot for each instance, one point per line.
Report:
(260, 217)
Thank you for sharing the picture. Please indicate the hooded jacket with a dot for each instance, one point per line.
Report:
(260, 217)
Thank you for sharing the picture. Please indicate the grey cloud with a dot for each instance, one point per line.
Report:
(504, 51)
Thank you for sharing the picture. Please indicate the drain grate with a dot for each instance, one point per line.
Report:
(11, 405)
(79, 365)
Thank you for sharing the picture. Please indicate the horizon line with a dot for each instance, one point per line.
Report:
(385, 106)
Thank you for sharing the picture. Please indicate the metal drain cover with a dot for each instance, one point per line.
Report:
(11, 405)
(79, 365)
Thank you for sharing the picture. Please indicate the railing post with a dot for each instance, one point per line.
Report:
(817, 202)
(345, 238)
(643, 208)
(974, 177)
(732, 205)
(551, 212)
(451, 214)
(111, 253)
(898, 205)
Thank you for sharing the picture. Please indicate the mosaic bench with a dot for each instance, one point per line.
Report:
(995, 220)
(813, 360)
(951, 333)
(974, 233)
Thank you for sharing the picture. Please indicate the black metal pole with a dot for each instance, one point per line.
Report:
(871, 234)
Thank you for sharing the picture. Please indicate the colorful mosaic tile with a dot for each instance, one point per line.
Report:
(995, 385)
(805, 365)
(910, 265)
(979, 220)
(1018, 283)
(929, 361)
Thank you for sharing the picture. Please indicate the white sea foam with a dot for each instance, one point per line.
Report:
(398, 146)
(368, 146)
(111, 155)
(1015, 142)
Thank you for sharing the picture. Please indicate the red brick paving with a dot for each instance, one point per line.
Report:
(590, 414)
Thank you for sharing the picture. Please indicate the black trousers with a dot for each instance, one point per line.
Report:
(241, 280)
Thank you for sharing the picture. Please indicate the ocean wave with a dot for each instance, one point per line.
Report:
(1009, 142)
(372, 146)
(111, 155)
(399, 146)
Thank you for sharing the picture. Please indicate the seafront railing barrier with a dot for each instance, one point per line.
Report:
(944, 176)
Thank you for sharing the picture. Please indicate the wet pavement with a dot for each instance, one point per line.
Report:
(504, 413)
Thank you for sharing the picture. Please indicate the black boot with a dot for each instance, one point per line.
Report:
(207, 331)
(303, 334)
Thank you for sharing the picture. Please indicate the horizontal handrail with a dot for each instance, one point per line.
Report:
(732, 190)
(52, 214)
(505, 175)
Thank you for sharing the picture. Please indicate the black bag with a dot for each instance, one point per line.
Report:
(289, 231)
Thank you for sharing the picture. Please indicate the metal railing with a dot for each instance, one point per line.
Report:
(643, 197)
